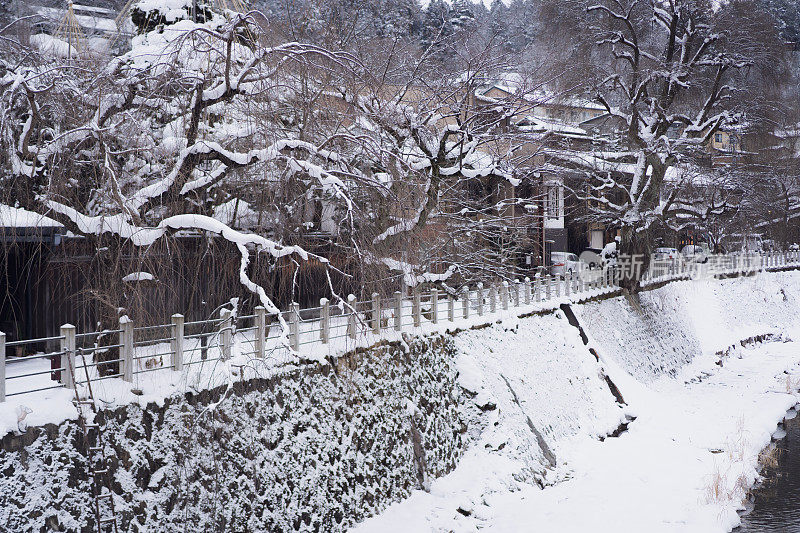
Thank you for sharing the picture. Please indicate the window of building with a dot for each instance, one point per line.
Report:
(718, 137)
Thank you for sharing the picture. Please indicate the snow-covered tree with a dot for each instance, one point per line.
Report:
(215, 115)
(788, 13)
(134, 147)
(667, 71)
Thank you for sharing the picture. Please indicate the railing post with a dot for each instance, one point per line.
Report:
(451, 308)
(493, 299)
(515, 294)
(177, 342)
(68, 357)
(504, 295)
(479, 290)
(547, 286)
(376, 313)
(226, 333)
(435, 305)
(294, 326)
(527, 290)
(398, 311)
(126, 347)
(2, 366)
(537, 289)
(567, 284)
(465, 303)
(351, 318)
(261, 330)
(581, 284)
(416, 308)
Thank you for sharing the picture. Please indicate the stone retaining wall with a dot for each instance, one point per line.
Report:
(317, 449)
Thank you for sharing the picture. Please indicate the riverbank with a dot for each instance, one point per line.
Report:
(611, 410)
(703, 413)
(774, 503)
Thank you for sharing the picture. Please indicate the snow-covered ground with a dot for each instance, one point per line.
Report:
(685, 462)
(542, 408)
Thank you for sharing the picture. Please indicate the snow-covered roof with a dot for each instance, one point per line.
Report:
(89, 18)
(16, 217)
(236, 213)
(532, 123)
(788, 133)
(682, 173)
(540, 96)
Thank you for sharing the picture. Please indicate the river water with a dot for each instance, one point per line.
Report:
(777, 499)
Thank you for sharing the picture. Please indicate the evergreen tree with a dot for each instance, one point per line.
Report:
(436, 22)
(788, 14)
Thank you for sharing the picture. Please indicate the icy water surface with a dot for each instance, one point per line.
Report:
(777, 500)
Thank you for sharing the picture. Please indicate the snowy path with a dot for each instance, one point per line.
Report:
(683, 465)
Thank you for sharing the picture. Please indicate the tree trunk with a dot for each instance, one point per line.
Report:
(634, 258)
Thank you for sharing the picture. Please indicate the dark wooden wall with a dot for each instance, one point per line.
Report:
(79, 281)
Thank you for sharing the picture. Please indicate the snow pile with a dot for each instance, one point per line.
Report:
(558, 384)
(47, 44)
(16, 217)
(138, 276)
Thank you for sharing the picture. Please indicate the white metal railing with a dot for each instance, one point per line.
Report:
(181, 344)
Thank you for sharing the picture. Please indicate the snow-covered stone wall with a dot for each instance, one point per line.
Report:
(648, 337)
(314, 450)
(662, 330)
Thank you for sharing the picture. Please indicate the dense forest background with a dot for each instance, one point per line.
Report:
(515, 24)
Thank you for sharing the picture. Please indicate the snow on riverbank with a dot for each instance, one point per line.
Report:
(684, 464)
(687, 460)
